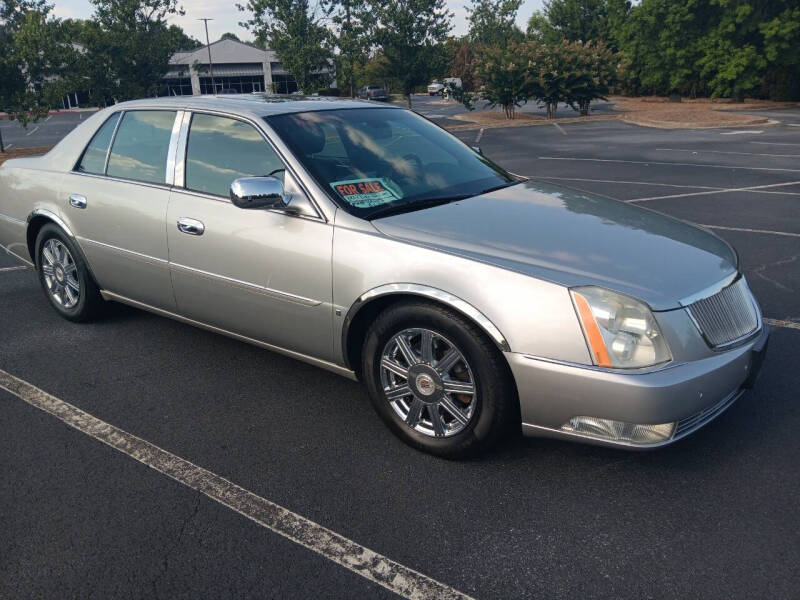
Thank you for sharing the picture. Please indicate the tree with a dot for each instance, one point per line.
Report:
(353, 24)
(294, 31)
(595, 71)
(230, 36)
(410, 34)
(505, 72)
(34, 60)
(181, 41)
(540, 29)
(128, 47)
(493, 22)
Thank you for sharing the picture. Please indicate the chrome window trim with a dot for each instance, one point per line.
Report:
(425, 291)
(159, 186)
(251, 286)
(169, 173)
(111, 141)
(86, 147)
(184, 145)
(180, 151)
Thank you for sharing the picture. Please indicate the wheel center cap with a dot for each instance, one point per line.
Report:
(425, 383)
(59, 274)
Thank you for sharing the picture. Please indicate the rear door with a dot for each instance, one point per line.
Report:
(116, 205)
(263, 274)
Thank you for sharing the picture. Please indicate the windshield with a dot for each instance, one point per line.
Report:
(376, 162)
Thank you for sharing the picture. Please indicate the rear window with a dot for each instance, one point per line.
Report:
(141, 146)
(94, 157)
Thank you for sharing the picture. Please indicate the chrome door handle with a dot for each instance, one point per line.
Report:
(191, 226)
(77, 200)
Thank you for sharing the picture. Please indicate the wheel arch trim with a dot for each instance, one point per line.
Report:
(49, 215)
(423, 291)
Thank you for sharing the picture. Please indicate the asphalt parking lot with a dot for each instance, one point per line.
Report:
(713, 516)
(45, 132)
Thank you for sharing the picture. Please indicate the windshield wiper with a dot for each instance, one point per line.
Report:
(396, 209)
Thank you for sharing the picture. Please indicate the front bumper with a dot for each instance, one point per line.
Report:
(690, 394)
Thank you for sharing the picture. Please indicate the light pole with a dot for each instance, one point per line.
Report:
(210, 64)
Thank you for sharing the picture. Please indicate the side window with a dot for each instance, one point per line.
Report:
(220, 150)
(140, 148)
(94, 157)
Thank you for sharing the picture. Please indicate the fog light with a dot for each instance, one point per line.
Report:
(618, 431)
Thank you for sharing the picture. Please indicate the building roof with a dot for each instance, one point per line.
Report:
(224, 51)
(251, 105)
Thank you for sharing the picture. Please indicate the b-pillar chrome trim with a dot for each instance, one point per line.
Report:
(426, 292)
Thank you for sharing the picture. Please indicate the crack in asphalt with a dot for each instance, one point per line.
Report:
(173, 547)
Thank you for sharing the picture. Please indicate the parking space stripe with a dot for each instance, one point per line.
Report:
(674, 185)
(7, 269)
(747, 230)
(669, 164)
(782, 323)
(752, 188)
(362, 561)
(777, 143)
(726, 152)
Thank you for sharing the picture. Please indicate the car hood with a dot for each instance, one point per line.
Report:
(574, 238)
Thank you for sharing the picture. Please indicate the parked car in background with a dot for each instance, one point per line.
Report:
(368, 241)
(373, 92)
(435, 88)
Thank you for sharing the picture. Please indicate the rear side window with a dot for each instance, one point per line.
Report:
(141, 146)
(94, 157)
(220, 150)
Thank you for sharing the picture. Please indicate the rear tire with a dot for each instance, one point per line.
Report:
(462, 381)
(64, 276)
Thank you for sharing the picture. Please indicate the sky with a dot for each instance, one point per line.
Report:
(226, 17)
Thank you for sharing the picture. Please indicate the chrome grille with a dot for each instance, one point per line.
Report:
(727, 316)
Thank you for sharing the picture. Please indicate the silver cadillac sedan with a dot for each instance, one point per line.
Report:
(366, 240)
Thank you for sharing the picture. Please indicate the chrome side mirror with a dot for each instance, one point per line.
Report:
(259, 192)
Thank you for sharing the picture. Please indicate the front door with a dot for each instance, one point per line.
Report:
(258, 273)
(116, 205)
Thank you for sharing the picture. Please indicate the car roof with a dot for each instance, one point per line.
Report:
(254, 105)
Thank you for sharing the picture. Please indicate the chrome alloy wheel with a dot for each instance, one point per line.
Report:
(428, 382)
(60, 273)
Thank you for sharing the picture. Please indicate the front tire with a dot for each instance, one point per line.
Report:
(64, 276)
(437, 381)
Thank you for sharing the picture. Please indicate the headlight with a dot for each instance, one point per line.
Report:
(621, 332)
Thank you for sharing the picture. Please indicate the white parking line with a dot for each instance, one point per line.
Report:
(794, 124)
(669, 164)
(746, 230)
(557, 126)
(48, 118)
(375, 567)
(479, 136)
(7, 269)
(777, 143)
(719, 191)
(740, 132)
(32, 131)
(674, 185)
(782, 323)
(727, 152)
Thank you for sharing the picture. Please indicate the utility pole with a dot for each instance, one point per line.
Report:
(208, 47)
